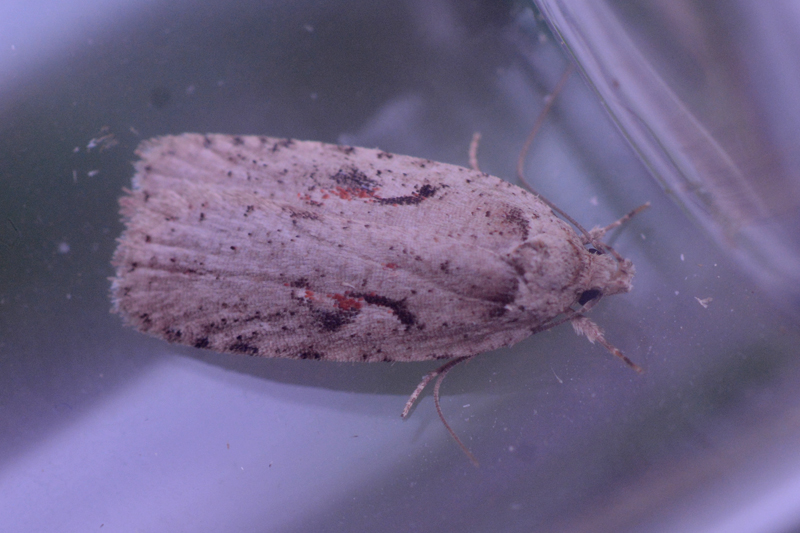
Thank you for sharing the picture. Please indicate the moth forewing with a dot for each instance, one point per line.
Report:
(283, 248)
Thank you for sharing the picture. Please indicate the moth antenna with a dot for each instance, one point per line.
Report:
(551, 98)
(415, 395)
(473, 151)
(427, 379)
(584, 326)
(593, 237)
(461, 445)
(440, 372)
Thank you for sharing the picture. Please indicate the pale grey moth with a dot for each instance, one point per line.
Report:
(283, 248)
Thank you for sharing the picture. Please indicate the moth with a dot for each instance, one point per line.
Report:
(283, 248)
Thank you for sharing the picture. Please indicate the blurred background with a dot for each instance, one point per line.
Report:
(689, 105)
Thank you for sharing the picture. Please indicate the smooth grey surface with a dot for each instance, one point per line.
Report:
(102, 426)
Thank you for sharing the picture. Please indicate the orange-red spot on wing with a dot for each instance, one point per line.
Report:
(345, 303)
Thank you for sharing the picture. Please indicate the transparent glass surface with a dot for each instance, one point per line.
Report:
(706, 94)
(102, 427)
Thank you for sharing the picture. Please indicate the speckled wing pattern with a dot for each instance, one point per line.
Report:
(283, 248)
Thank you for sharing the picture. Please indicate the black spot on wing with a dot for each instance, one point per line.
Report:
(354, 179)
(516, 219)
(283, 143)
(243, 347)
(310, 354)
(172, 334)
(202, 342)
(398, 307)
(420, 194)
(331, 321)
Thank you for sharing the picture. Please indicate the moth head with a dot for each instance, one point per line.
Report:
(608, 273)
(558, 272)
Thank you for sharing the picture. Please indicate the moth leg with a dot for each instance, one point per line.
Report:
(473, 151)
(427, 379)
(597, 233)
(584, 326)
(440, 373)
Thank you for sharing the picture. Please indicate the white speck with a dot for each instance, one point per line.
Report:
(103, 142)
(309, 28)
(511, 449)
(683, 258)
(69, 296)
(74, 176)
(93, 173)
(643, 236)
(63, 248)
(465, 405)
(677, 293)
(704, 301)
(593, 200)
(76, 149)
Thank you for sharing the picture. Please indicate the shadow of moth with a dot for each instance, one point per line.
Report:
(283, 248)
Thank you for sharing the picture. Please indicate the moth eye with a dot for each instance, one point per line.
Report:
(588, 296)
(594, 251)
